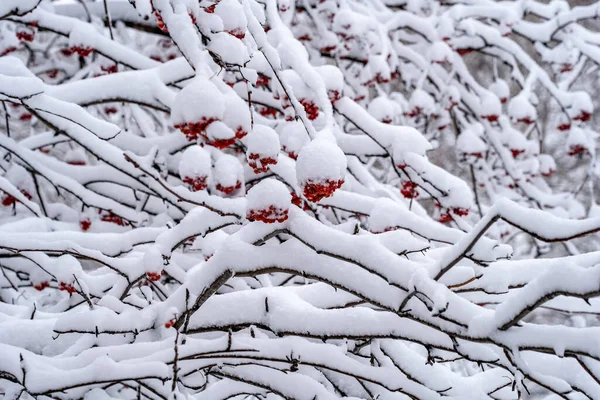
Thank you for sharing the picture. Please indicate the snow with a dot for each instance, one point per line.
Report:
(199, 99)
(195, 162)
(269, 192)
(138, 261)
(320, 160)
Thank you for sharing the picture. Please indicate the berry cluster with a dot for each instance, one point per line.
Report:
(260, 164)
(41, 286)
(194, 130)
(8, 200)
(85, 224)
(66, 287)
(228, 189)
(196, 183)
(153, 276)
(81, 50)
(316, 191)
(409, 190)
(113, 218)
(269, 215)
(312, 110)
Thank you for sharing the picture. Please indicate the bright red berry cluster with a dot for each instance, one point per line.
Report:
(25, 35)
(312, 110)
(195, 130)
(269, 215)
(41, 286)
(576, 150)
(66, 287)
(85, 224)
(409, 190)
(153, 276)
(316, 191)
(81, 50)
(113, 218)
(228, 189)
(260, 164)
(196, 183)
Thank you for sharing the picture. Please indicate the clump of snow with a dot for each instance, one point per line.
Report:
(262, 148)
(237, 115)
(521, 110)
(229, 49)
(228, 174)
(382, 109)
(293, 137)
(320, 169)
(195, 168)
(501, 89)
(268, 201)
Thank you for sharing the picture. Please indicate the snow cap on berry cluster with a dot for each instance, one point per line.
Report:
(195, 162)
(319, 161)
(198, 101)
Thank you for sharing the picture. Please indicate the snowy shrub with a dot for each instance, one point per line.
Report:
(308, 200)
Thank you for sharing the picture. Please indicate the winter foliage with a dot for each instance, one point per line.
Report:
(299, 199)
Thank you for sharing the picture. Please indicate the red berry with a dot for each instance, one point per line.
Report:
(409, 190)
(66, 287)
(41, 286)
(85, 224)
(316, 191)
(153, 276)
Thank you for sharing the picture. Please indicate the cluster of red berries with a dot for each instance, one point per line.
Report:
(153, 276)
(9, 200)
(268, 111)
(584, 116)
(269, 215)
(170, 323)
(290, 154)
(113, 218)
(239, 33)
(564, 127)
(526, 120)
(110, 69)
(409, 190)
(491, 117)
(66, 287)
(228, 189)
(297, 201)
(260, 164)
(516, 152)
(26, 35)
(316, 191)
(196, 183)
(576, 150)
(194, 130)
(83, 51)
(85, 224)
(311, 109)
(41, 286)
(262, 80)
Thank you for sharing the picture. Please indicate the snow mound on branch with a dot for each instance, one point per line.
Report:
(228, 174)
(16, 80)
(237, 115)
(198, 101)
(319, 161)
(268, 201)
(501, 89)
(229, 48)
(195, 162)
(293, 137)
